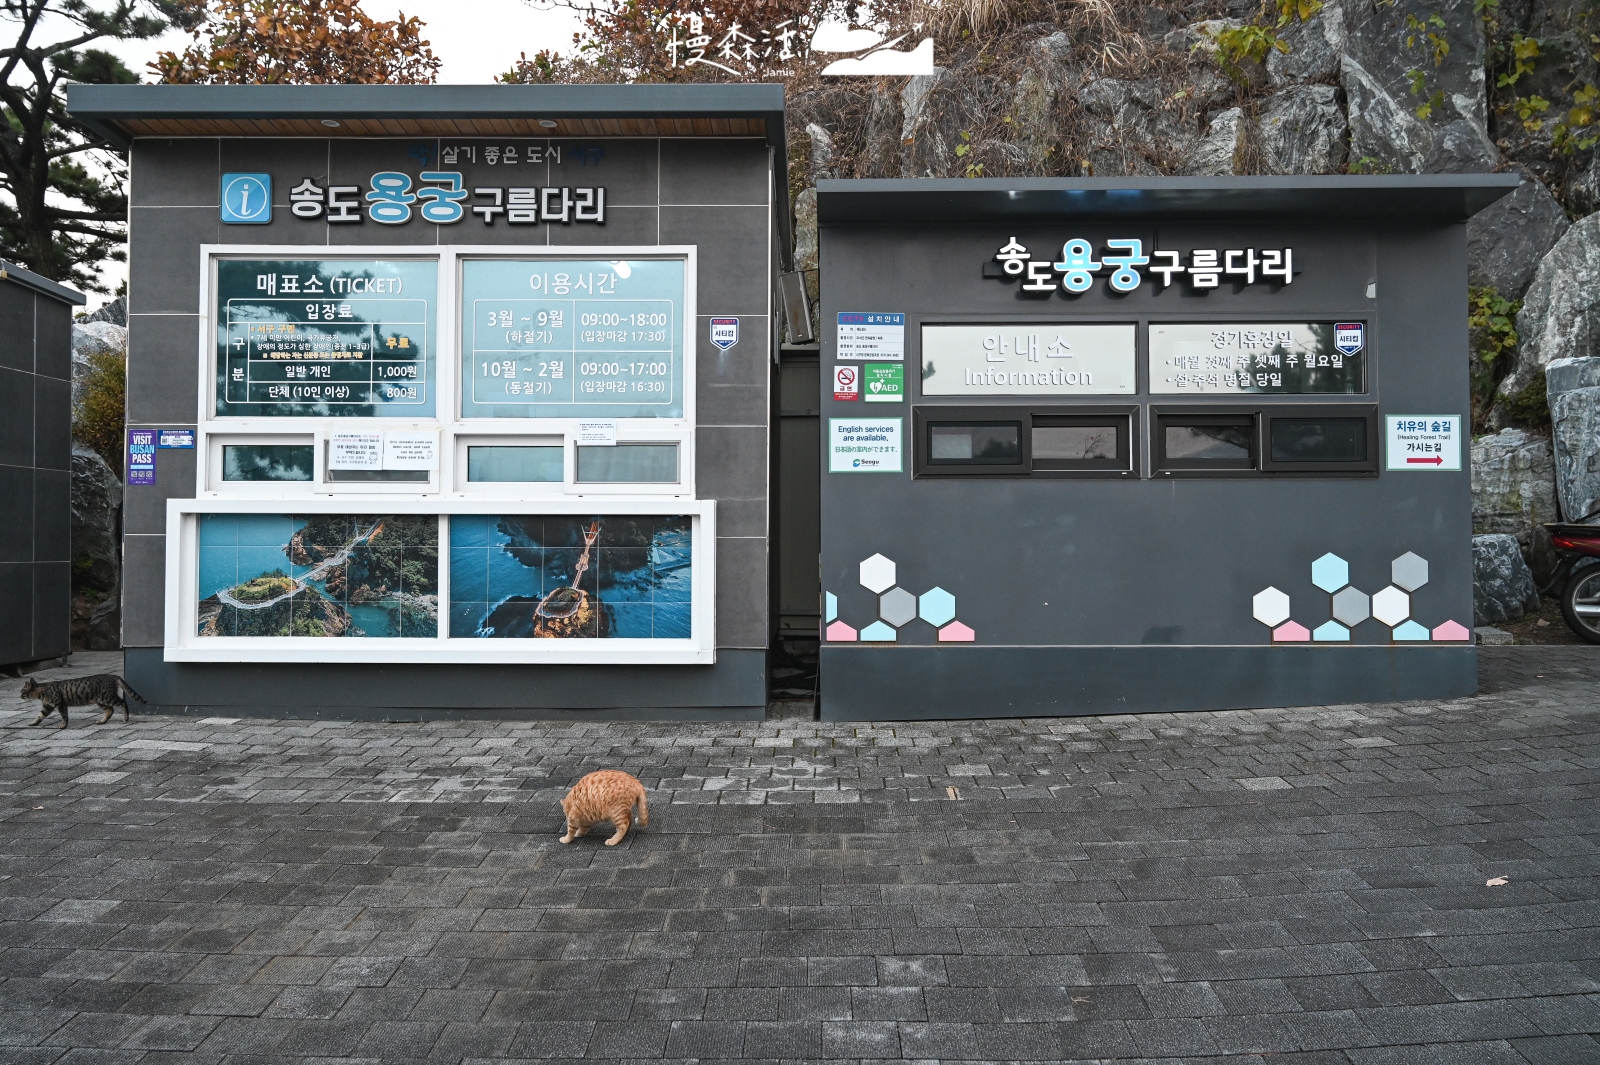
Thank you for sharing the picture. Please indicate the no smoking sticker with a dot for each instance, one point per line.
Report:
(846, 382)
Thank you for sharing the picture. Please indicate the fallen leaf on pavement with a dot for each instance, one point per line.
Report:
(1498, 881)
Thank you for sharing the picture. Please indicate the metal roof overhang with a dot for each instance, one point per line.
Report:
(1427, 198)
(42, 285)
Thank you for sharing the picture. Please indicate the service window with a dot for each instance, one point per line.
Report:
(1204, 441)
(1321, 440)
(1020, 441)
(1081, 443)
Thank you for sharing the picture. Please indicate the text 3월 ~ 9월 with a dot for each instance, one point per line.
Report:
(1122, 260)
(442, 197)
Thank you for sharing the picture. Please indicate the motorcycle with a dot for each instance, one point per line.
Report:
(1578, 576)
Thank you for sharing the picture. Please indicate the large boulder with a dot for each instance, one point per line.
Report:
(1574, 393)
(90, 338)
(96, 525)
(1506, 240)
(923, 151)
(1303, 130)
(805, 230)
(822, 151)
(1139, 128)
(1315, 46)
(115, 312)
(1513, 484)
(1502, 584)
(1378, 72)
(1033, 107)
(1217, 153)
(105, 624)
(1560, 316)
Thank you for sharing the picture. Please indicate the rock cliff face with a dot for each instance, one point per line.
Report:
(1165, 88)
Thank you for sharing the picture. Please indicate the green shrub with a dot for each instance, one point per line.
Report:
(98, 418)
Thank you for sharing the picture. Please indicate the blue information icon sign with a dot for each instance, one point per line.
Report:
(247, 199)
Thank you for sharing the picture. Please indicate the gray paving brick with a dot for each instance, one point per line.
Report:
(1103, 889)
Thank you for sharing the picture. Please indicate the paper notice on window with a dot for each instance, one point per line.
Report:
(410, 451)
(597, 434)
(355, 451)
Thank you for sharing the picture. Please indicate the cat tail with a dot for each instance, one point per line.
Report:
(126, 690)
(644, 808)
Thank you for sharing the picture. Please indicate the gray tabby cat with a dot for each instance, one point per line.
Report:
(106, 691)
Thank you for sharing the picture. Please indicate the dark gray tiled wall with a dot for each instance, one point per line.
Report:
(35, 454)
(718, 192)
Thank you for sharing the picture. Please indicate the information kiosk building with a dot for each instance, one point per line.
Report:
(1112, 445)
(449, 398)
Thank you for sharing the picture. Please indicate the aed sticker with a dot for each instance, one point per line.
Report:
(1423, 441)
(724, 332)
(846, 382)
(864, 445)
(1349, 337)
(883, 382)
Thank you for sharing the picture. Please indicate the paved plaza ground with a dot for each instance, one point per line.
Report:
(1272, 886)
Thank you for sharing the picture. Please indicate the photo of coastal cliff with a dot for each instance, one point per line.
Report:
(319, 575)
(593, 577)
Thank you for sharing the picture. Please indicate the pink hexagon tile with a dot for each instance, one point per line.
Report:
(956, 632)
(839, 632)
(1291, 632)
(1452, 630)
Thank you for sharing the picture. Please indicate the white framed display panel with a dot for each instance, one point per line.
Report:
(447, 492)
(447, 419)
(184, 644)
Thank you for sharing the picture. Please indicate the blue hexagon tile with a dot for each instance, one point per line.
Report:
(1330, 572)
(878, 632)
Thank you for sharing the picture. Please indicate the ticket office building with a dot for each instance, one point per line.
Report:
(1097, 446)
(449, 400)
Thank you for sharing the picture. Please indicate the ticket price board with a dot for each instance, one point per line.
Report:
(572, 338)
(317, 338)
(1265, 358)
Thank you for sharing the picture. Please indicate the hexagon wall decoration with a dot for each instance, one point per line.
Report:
(1330, 632)
(839, 632)
(1291, 632)
(1410, 631)
(878, 632)
(877, 574)
(897, 606)
(955, 632)
(1391, 606)
(1351, 606)
(1270, 607)
(831, 606)
(936, 606)
(1330, 572)
(1409, 571)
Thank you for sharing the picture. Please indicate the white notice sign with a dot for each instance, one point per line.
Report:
(355, 451)
(597, 434)
(864, 445)
(871, 335)
(1423, 441)
(1030, 359)
(410, 451)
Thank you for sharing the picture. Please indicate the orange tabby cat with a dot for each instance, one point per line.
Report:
(608, 795)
